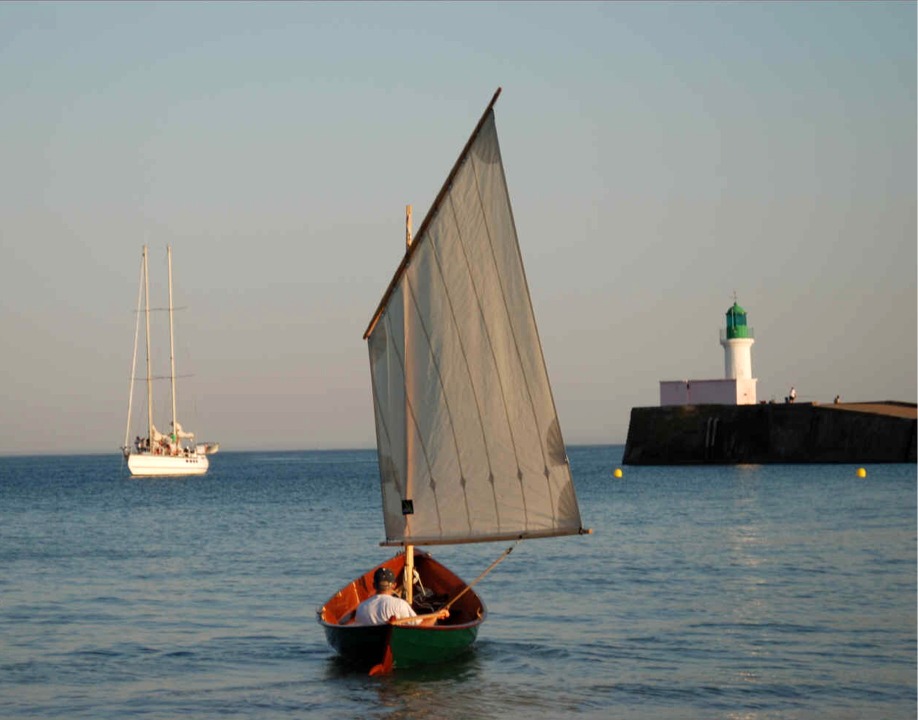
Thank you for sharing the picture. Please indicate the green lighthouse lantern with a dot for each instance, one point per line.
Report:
(736, 323)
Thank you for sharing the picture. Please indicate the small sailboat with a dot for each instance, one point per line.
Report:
(468, 440)
(160, 454)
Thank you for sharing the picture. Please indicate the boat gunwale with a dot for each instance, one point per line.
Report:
(396, 563)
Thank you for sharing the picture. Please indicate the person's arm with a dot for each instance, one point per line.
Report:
(433, 617)
(430, 619)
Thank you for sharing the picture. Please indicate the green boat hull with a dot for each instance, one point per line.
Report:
(428, 646)
(410, 646)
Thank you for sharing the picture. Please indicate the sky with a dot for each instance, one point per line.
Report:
(662, 158)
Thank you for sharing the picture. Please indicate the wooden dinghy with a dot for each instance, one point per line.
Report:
(410, 645)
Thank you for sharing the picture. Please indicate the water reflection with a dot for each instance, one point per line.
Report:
(339, 667)
(432, 692)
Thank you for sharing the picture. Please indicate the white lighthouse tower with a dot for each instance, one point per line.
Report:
(737, 340)
(737, 386)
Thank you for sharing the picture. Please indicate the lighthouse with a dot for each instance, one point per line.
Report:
(737, 386)
(736, 340)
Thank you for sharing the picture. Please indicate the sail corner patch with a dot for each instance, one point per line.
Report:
(407, 507)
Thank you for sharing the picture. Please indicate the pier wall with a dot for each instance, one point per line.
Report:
(772, 433)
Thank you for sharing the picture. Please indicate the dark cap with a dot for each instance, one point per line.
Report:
(383, 575)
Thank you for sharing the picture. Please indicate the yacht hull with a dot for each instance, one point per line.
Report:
(145, 465)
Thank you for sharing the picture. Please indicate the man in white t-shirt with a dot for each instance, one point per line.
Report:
(378, 609)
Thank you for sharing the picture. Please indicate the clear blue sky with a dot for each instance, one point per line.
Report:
(660, 156)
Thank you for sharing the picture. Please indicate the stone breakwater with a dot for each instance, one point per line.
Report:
(876, 432)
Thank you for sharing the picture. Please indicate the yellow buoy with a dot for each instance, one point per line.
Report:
(618, 472)
(861, 473)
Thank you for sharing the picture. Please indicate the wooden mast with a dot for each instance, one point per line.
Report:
(409, 549)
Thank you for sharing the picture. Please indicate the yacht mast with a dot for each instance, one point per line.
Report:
(127, 430)
(171, 346)
(146, 309)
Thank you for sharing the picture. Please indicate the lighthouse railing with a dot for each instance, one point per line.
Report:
(740, 331)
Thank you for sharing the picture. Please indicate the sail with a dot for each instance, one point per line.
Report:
(181, 432)
(470, 449)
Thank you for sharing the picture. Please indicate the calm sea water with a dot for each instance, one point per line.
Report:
(712, 592)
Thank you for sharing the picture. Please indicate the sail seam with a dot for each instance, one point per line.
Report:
(468, 369)
(500, 380)
(544, 366)
(510, 325)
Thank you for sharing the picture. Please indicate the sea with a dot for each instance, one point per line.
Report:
(740, 592)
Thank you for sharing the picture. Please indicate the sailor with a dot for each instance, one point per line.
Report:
(793, 394)
(385, 605)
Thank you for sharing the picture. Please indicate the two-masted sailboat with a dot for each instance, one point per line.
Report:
(469, 445)
(158, 454)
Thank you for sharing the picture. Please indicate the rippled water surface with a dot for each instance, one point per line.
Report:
(710, 592)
